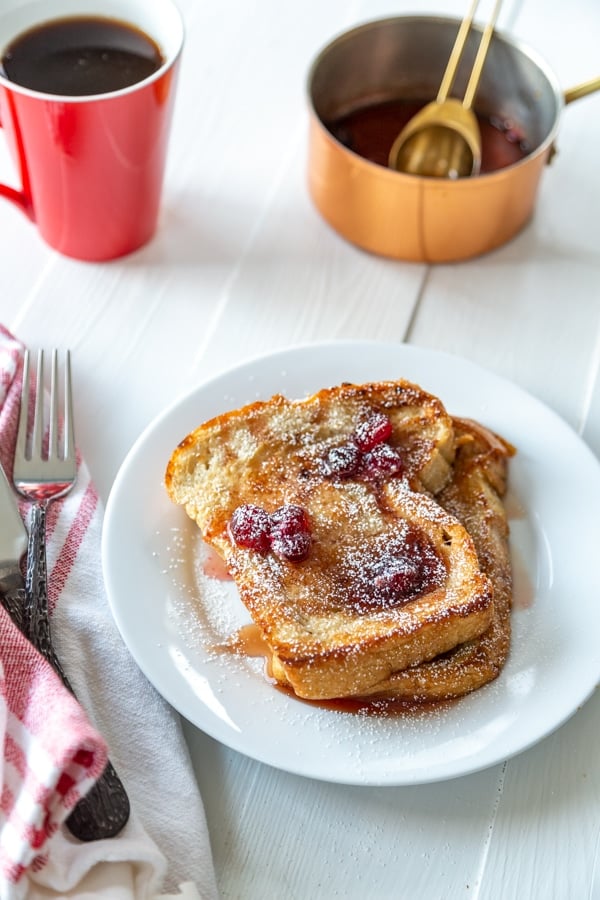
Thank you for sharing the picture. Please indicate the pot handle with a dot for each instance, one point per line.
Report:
(582, 90)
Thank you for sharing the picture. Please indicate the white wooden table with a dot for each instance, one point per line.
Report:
(242, 265)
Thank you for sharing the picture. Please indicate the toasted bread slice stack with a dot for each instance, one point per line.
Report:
(391, 578)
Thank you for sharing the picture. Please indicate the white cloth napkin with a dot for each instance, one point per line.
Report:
(55, 748)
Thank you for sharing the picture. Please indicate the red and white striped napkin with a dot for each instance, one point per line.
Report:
(54, 747)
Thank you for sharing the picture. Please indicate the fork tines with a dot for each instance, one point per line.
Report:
(37, 433)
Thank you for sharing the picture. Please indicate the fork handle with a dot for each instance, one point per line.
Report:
(104, 810)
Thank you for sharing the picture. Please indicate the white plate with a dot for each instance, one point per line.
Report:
(171, 616)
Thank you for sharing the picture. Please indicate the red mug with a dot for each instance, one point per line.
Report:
(91, 167)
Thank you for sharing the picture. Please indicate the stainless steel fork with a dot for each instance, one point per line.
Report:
(42, 474)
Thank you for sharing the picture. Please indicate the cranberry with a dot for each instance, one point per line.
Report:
(286, 531)
(406, 567)
(372, 431)
(401, 579)
(341, 462)
(290, 533)
(250, 526)
(382, 462)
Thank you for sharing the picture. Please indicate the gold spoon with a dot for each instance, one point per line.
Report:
(443, 139)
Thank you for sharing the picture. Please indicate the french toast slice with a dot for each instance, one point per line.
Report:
(232, 444)
(475, 496)
(391, 579)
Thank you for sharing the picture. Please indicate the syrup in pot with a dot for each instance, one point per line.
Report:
(371, 130)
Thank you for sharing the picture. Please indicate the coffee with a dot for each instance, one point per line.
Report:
(80, 56)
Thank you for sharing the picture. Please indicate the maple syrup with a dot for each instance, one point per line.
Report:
(375, 707)
(213, 566)
(371, 130)
(248, 641)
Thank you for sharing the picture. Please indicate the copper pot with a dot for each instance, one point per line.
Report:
(406, 216)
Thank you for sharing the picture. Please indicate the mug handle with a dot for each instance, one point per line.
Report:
(19, 198)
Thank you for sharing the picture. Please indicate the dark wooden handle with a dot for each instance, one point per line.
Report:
(105, 809)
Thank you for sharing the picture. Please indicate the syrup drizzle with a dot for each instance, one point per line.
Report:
(248, 641)
(524, 592)
(213, 566)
